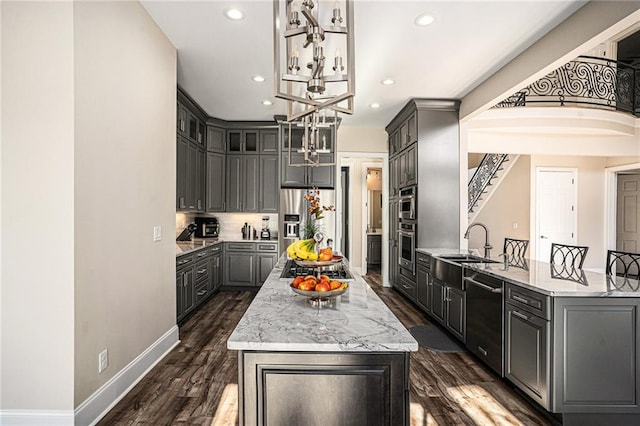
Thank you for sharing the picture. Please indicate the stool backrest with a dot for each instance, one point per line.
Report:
(623, 264)
(570, 256)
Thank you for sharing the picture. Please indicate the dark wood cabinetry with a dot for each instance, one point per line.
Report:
(423, 281)
(198, 276)
(216, 179)
(374, 249)
(191, 157)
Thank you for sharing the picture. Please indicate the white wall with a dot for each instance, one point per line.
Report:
(37, 175)
(362, 139)
(125, 166)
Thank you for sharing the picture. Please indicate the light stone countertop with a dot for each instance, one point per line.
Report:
(186, 247)
(552, 280)
(281, 320)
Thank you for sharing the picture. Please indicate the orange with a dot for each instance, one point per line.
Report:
(325, 278)
(310, 277)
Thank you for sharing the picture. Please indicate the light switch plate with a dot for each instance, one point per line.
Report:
(157, 233)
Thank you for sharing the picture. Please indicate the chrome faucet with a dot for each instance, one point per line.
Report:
(487, 246)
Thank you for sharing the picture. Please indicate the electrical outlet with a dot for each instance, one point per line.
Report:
(514, 225)
(157, 233)
(103, 361)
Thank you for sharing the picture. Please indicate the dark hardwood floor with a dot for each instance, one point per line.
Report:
(196, 383)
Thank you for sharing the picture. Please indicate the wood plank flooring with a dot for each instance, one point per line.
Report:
(196, 384)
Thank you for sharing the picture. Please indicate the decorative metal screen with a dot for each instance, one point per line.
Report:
(488, 167)
(588, 81)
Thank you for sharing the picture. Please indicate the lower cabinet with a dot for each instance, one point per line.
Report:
(455, 300)
(248, 264)
(198, 275)
(447, 307)
(423, 282)
(526, 353)
(185, 286)
(374, 249)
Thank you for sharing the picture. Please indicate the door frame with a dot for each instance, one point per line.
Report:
(534, 206)
(365, 211)
(610, 197)
(344, 158)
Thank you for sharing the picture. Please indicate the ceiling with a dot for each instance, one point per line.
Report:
(468, 42)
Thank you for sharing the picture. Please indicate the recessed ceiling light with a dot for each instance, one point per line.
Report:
(424, 20)
(267, 102)
(235, 14)
(387, 81)
(257, 78)
(375, 105)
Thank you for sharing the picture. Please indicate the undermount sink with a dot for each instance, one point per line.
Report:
(467, 258)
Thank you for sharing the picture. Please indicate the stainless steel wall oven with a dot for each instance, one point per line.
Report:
(407, 246)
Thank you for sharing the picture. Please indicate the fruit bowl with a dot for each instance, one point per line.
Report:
(312, 263)
(320, 294)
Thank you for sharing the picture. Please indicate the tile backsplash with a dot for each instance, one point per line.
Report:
(230, 223)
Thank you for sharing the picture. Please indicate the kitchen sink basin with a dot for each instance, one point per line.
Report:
(467, 258)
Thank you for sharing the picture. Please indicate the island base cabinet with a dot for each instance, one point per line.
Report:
(284, 388)
(527, 353)
(238, 268)
(596, 359)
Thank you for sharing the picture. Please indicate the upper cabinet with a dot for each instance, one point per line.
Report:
(293, 174)
(216, 139)
(242, 141)
(269, 141)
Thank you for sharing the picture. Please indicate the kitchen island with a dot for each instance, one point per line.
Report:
(570, 337)
(344, 362)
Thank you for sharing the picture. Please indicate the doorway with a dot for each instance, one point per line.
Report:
(372, 218)
(556, 209)
(628, 213)
(344, 238)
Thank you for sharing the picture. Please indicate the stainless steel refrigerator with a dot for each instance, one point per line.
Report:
(293, 205)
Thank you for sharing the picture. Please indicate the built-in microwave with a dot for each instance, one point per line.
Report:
(407, 203)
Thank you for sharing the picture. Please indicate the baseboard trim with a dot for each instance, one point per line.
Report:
(36, 417)
(104, 399)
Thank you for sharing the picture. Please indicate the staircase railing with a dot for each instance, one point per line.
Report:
(588, 81)
(487, 169)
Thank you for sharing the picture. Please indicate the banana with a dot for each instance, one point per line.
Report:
(301, 252)
(291, 250)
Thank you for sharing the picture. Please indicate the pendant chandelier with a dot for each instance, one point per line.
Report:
(300, 43)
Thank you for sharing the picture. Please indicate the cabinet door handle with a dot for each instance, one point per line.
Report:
(519, 315)
(202, 254)
(202, 271)
(520, 299)
(202, 292)
(182, 202)
(482, 351)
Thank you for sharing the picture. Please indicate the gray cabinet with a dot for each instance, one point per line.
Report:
(423, 281)
(527, 353)
(248, 264)
(216, 139)
(438, 299)
(242, 183)
(182, 173)
(393, 241)
(242, 141)
(595, 356)
(307, 176)
(215, 182)
(374, 249)
(269, 190)
(185, 285)
(394, 181)
(183, 114)
(406, 167)
(455, 311)
(215, 259)
(269, 141)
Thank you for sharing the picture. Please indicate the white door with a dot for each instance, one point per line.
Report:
(556, 209)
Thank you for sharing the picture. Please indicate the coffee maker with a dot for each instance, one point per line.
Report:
(265, 233)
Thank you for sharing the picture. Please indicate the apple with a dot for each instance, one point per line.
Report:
(323, 286)
(334, 285)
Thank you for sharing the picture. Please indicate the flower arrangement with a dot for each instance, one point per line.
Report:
(316, 210)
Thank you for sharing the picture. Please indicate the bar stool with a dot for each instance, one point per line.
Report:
(516, 250)
(623, 264)
(567, 255)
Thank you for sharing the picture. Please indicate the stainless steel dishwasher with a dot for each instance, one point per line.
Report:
(485, 319)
